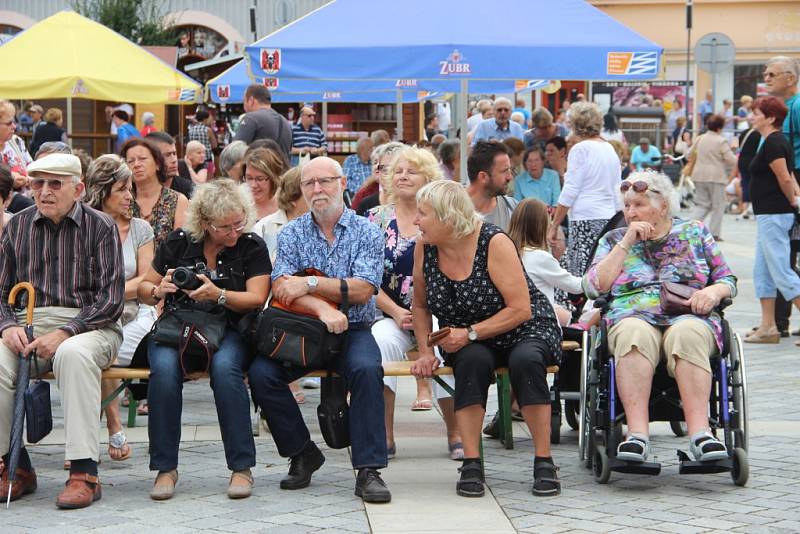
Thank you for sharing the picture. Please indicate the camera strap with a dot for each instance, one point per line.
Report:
(188, 333)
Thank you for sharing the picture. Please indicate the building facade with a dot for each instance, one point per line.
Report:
(759, 29)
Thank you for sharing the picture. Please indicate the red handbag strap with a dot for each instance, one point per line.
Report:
(188, 333)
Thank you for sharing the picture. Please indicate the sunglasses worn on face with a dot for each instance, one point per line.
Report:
(638, 186)
(768, 75)
(55, 184)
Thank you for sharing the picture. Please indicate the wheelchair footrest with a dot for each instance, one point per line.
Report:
(688, 466)
(634, 468)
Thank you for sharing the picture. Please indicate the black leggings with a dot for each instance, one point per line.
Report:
(474, 365)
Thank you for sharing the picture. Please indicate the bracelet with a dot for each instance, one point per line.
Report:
(153, 294)
(623, 247)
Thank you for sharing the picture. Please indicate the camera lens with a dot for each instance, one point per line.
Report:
(185, 278)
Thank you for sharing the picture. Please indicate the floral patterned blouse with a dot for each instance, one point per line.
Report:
(687, 255)
(398, 257)
(162, 218)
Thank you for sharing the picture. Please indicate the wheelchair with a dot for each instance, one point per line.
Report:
(601, 431)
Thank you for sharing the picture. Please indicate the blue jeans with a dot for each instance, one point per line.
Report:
(165, 400)
(360, 365)
(772, 270)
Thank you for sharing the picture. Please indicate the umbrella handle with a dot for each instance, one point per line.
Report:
(28, 287)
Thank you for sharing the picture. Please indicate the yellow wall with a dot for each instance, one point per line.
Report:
(159, 110)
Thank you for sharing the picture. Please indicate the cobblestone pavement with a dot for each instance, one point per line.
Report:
(423, 479)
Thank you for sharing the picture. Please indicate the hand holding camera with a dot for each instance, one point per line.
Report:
(196, 282)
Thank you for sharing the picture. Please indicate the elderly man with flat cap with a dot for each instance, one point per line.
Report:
(72, 255)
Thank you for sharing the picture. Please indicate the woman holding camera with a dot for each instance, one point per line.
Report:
(214, 235)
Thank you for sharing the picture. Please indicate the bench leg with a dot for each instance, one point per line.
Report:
(504, 409)
(133, 405)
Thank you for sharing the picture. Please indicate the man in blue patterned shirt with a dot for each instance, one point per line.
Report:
(358, 167)
(334, 240)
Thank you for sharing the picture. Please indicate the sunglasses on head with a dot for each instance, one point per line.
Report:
(639, 186)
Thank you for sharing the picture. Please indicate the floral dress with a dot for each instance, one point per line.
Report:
(162, 218)
(398, 257)
(687, 255)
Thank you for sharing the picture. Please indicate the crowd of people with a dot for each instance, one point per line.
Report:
(487, 286)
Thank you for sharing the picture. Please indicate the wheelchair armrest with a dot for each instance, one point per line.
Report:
(724, 303)
(602, 303)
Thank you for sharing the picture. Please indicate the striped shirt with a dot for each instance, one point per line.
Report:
(75, 264)
(311, 138)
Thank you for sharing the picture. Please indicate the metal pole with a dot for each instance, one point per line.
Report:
(462, 119)
(399, 128)
(69, 121)
(688, 55)
(713, 76)
(325, 116)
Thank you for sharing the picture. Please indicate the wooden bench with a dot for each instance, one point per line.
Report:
(402, 368)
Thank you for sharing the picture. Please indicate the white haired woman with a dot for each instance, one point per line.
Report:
(109, 188)
(468, 275)
(411, 170)
(590, 193)
(214, 234)
(231, 160)
(630, 265)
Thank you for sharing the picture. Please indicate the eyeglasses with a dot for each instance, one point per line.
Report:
(638, 186)
(323, 182)
(499, 110)
(312, 115)
(55, 184)
(9, 123)
(259, 179)
(768, 74)
(228, 228)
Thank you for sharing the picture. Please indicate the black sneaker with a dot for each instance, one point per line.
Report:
(370, 486)
(492, 430)
(471, 482)
(302, 466)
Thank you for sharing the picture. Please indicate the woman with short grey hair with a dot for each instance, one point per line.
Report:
(630, 266)
(591, 187)
(231, 160)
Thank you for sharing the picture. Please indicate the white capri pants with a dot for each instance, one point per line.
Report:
(132, 334)
(394, 343)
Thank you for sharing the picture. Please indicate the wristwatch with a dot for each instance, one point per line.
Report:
(472, 335)
(222, 298)
(312, 282)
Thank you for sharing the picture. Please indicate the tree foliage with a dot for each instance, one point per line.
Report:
(140, 21)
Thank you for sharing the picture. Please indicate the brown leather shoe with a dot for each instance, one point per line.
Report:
(24, 483)
(81, 490)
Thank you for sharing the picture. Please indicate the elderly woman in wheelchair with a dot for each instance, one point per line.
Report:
(641, 269)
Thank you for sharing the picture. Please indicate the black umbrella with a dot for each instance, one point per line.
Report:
(23, 375)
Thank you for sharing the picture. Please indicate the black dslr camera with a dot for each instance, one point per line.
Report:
(186, 277)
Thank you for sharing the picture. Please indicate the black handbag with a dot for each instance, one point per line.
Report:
(196, 329)
(333, 412)
(296, 339)
(38, 410)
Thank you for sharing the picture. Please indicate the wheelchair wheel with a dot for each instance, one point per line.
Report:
(600, 466)
(555, 429)
(738, 381)
(679, 428)
(587, 403)
(741, 467)
(572, 411)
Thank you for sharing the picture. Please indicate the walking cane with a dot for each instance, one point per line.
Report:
(23, 375)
